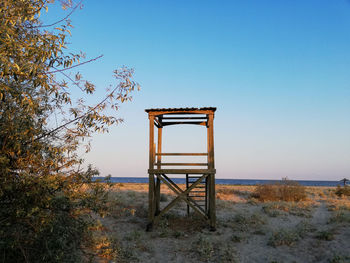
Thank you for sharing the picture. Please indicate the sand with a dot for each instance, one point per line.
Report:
(314, 230)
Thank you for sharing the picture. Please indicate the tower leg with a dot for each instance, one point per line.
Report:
(212, 208)
(151, 202)
(157, 196)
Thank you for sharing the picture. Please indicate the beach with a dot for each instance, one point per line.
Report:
(316, 229)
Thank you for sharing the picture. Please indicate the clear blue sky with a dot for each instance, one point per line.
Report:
(277, 71)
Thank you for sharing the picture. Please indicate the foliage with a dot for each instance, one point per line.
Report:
(340, 216)
(345, 190)
(283, 237)
(46, 198)
(204, 247)
(245, 222)
(273, 209)
(290, 236)
(325, 235)
(286, 191)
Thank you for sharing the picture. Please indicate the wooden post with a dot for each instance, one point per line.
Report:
(158, 182)
(212, 208)
(151, 208)
(187, 185)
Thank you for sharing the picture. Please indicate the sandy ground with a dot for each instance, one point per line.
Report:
(315, 230)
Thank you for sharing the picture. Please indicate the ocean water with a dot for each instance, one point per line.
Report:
(228, 181)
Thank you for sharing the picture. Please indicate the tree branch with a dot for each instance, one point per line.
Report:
(77, 118)
(63, 19)
(77, 65)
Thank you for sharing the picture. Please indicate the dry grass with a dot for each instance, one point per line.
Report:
(303, 208)
(287, 191)
(246, 232)
(343, 191)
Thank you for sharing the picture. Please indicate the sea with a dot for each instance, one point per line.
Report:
(229, 181)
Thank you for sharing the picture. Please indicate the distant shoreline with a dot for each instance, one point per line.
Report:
(229, 181)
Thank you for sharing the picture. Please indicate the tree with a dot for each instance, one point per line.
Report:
(43, 211)
(345, 180)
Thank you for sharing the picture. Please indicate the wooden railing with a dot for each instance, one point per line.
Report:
(158, 163)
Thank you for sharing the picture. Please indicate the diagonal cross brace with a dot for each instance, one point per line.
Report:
(181, 195)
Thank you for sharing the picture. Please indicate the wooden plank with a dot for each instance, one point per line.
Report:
(166, 123)
(159, 150)
(151, 208)
(174, 184)
(185, 118)
(181, 164)
(159, 159)
(212, 205)
(187, 185)
(181, 171)
(157, 197)
(157, 113)
(206, 195)
(182, 154)
(157, 123)
(182, 195)
(151, 141)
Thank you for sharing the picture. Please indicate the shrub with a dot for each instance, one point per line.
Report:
(286, 191)
(325, 235)
(274, 209)
(345, 190)
(289, 237)
(204, 247)
(244, 222)
(48, 219)
(283, 237)
(340, 216)
(46, 198)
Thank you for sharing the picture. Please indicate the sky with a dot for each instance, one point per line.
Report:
(277, 71)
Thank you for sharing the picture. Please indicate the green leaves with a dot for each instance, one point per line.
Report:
(45, 196)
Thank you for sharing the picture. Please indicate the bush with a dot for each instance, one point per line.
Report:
(283, 237)
(286, 191)
(46, 199)
(325, 235)
(345, 190)
(47, 219)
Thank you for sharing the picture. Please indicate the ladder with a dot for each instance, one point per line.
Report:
(198, 193)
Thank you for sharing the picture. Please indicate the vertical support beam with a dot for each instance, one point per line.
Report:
(206, 195)
(212, 208)
(158, 182)
(188, 207)
(159, 150)
(151, 190)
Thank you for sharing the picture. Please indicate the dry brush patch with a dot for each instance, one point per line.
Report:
(241, 226)
(287, 191)
(303, 208)
(343, 191)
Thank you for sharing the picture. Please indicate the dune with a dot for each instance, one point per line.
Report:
(316, 229)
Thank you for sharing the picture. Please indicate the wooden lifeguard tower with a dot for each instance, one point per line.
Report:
(200, 183)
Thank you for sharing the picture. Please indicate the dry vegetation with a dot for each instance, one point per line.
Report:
(289, 224)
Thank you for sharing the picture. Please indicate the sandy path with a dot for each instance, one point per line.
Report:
(321, 215)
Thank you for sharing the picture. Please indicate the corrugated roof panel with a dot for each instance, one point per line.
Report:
(181, 109)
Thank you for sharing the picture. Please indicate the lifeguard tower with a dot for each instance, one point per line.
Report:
(200, 182)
